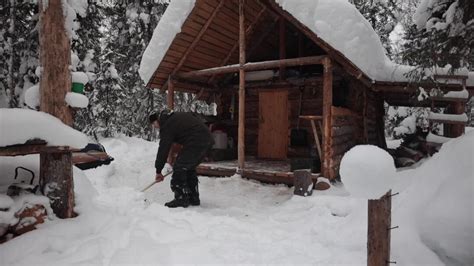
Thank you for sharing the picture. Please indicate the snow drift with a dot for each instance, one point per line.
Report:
(21, 125)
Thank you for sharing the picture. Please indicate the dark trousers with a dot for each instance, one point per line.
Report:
(184, 179)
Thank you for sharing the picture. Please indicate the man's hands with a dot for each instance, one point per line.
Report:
(159, 178)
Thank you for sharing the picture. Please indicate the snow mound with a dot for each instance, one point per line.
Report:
(170, 25)
(438, 204)
(367, 171)
(32, 96)
(20, 125)
(79, 77)
(76, 100)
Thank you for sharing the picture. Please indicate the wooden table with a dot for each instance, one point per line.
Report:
(56, 178)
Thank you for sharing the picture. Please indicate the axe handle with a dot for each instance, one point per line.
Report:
(154, 182)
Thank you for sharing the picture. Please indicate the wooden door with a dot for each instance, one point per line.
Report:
(273, 124)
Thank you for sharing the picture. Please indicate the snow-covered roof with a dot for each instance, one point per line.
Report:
(163, 35)
(337, 22)
(20, 125)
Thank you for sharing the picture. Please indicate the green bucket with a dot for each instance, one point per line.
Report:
(77, 87)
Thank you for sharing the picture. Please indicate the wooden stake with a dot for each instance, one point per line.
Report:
(241, 129)
(55, 58)
(327, 103)
(378, 231)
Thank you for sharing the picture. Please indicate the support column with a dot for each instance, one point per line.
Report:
(170, 94)
(241, 130)
(282, 46)
(327, 134)
(55, 58)
(56, 181)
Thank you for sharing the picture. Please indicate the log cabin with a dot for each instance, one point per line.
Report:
(292, 79)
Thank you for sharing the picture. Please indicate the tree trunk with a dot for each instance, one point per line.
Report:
(55, 58)
(56, 181)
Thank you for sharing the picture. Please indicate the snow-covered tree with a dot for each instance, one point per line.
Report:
(18, 50)
(382, 15)
(442, 35)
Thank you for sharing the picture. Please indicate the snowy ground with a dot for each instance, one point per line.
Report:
(239, 221)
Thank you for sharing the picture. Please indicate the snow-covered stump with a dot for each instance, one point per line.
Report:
(378, 231)
(56, 180)
(303, 183)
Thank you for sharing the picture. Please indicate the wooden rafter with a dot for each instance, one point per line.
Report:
(248, 32)
(338, 56)
(195, 41)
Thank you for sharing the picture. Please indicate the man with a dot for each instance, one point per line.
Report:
(189, 131)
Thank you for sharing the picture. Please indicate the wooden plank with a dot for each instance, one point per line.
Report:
(198, 37)
(55, 58)
(273, 125)
(242, 59)
(248, 32)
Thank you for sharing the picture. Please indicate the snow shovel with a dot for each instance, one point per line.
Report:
(154, 182)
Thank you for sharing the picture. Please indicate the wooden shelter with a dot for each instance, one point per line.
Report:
(223, 50)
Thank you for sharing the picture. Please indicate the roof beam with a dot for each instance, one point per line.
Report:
(338, 56)
(198, 37)
(248, 32)
(253, 66)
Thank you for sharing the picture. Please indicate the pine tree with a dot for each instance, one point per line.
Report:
(131, 28)
(443, 35)
(87, 47)
(382, 16)
(18, 50)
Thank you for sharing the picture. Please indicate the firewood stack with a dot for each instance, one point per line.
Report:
(413, 148)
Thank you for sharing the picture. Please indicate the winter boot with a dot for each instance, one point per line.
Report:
(181, 191)
(193, 184)
(181, 199)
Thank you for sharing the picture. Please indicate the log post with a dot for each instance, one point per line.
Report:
(282, 46)
(303, 183)
(55, 58)
(241, 129)
(378, 231)
(170, 94)
(327, 103)
(458, 108)
(56, 181)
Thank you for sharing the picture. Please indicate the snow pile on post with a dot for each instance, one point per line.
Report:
(170, 25)
(21, 125)
(32, 96)
(367, 171)
(76, 100)
(448, 117)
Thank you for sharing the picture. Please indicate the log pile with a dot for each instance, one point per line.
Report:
(413, 148)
